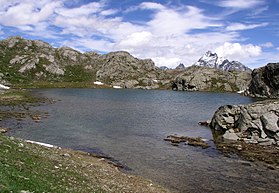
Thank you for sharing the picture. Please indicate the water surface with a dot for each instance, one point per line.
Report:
(130, 126)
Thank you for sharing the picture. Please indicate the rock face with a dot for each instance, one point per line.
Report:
(210, 79)
(122, 69)
(254, 123)
(212, 60)
(265, 82)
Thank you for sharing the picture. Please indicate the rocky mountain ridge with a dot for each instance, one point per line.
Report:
(25, 61)
(212, 60)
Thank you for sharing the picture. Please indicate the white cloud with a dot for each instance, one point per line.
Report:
(167, 61)
(28, 13)
(89, 44)
(259, 10)
(236, 51)
(109, 12)
(83, 10)
(240, 4)
(169, 21)
(241, 26)
(151, 5)
(267, 45)
(136, 39)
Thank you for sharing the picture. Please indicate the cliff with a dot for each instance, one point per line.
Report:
(265, 82)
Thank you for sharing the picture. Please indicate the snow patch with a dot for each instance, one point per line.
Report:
(42, 144)
(4, 87)
(240, 92)
(98, 83)
(117, 87)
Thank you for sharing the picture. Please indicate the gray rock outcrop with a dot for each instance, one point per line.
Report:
(253, 123)
(210, 79)
(265, 82)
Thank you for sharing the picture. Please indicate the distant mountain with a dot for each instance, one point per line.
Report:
(212, 60)
(164, 68)
(180, 66)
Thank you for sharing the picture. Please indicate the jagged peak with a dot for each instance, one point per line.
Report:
(180, 66)
(210, 59)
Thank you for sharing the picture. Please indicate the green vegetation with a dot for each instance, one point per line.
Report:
(77, 73)
(18, 97)
(30, 167)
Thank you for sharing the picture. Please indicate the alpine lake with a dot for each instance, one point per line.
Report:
(130, 126)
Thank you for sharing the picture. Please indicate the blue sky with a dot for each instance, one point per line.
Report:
(168, 32)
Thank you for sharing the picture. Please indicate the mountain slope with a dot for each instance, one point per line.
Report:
(212, 60)
(23, 61)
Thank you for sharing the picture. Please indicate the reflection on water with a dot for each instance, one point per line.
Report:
(130, 125)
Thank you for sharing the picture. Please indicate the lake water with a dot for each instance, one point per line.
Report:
(130, 125)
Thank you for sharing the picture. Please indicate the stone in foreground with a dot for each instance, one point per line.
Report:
(254, 123)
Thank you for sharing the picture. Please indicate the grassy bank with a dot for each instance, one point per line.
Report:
(60, 85)
(34, 168)
(18, 97)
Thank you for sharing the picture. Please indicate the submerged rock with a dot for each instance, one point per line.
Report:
(192, 141)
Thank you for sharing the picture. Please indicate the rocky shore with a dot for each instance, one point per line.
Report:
(252, 130)
(255, 123)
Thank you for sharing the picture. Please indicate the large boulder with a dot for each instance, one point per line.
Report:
(254, 123)
(265, 82)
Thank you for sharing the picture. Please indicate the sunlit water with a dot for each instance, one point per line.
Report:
(130, 125)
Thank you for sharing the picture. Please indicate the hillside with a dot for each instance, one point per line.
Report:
(24, 61)
(34, 63)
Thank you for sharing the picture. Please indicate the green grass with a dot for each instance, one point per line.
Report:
(15, 97)
(30, 167)
(33, 168)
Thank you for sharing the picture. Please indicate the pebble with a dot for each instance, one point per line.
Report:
(66, 155)
(4, 130)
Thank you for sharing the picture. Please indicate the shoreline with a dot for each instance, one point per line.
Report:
(77, 171)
